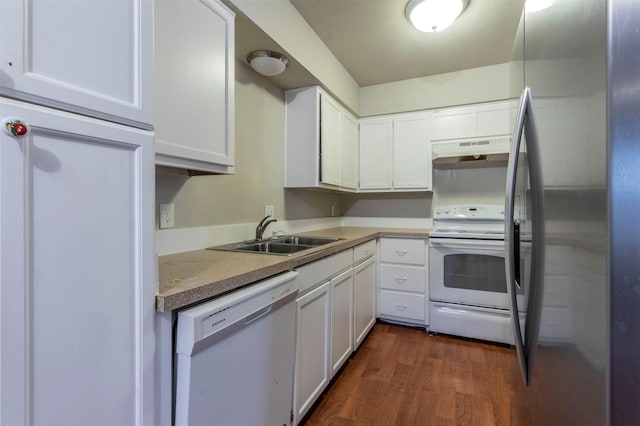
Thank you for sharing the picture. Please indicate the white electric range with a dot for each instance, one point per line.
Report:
(467, 285)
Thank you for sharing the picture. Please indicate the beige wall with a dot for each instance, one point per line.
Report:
(240, 198)
(455, 88)
(396, 204)
(284, 24)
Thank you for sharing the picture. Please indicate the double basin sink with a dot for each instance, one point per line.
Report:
(282, 246)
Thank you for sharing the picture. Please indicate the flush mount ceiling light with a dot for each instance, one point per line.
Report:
(267, 62)
(434, 15)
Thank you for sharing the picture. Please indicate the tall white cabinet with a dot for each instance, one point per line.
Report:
(76, 214)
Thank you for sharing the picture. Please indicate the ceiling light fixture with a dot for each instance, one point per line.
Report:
(267, 62)
(434, 15)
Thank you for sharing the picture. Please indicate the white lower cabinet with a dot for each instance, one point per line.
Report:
(312, 347)
(403, 280)
(334, 296)
(364, 299)
(341, 319)
(324, 329)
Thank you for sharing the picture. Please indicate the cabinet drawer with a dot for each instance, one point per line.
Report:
(323, 269)
(402, 250)
(364, 251)
(403, 278)
(404, 305)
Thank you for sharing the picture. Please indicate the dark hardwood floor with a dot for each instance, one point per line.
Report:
(403, 376)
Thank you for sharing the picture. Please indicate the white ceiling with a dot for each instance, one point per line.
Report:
(377, 44)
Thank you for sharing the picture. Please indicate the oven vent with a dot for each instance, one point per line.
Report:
(490, 152)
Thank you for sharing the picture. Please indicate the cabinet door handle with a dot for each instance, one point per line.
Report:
(15, 127)
(401, 252)
(401, 306)
(400, 280)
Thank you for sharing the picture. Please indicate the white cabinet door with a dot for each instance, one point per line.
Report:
(364, 299)
(313, 338)
(341, 319)
(349, 151)
(194, 85)
(77, 271)
(330, 113)
(453, 123)
(376, 153)
(481, 120)
(411, 151)
(94, 58)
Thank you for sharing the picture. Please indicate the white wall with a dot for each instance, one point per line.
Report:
(454, 88)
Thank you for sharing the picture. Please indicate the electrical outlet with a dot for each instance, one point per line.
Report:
(167, 216)
(332, 210)
(269, 210)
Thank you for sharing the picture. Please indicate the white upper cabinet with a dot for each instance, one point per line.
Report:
(194, 85)
(93, 58)
(411, 151)
(395, 153)
(330, 134)
(321, 139)
(482, 120)
(349, 151)
(376, 153)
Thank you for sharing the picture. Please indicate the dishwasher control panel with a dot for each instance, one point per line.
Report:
(237, 309)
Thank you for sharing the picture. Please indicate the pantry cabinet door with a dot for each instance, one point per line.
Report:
(90, 57)
(76, 271)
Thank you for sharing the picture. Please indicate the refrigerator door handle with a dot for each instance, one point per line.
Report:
(525, 346)
(509, 232)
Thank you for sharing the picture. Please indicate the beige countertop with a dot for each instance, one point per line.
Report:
(194, 276)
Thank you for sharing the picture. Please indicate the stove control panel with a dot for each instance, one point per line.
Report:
(469, 212)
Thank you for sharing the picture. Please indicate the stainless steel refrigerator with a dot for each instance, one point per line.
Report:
(573, 196)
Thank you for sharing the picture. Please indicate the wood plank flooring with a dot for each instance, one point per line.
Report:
(402, 376)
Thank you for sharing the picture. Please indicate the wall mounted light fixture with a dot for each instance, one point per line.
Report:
(267, 62)
(434, 15)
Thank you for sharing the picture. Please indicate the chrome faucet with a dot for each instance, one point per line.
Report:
(262, 226)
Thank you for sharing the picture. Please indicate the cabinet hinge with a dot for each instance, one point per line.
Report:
(291, 418)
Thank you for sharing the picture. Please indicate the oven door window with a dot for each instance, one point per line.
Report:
(479, 272)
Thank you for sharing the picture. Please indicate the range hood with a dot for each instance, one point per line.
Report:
(485, 152)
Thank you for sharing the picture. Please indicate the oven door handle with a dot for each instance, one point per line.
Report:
(460, 243)
(525, 345)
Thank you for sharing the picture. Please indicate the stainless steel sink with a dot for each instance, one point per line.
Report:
(305, 241)
(282, 246)
(273, 248)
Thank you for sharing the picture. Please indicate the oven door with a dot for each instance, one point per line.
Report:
(471, 272)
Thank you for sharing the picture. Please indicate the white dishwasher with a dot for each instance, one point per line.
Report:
(236, 357)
